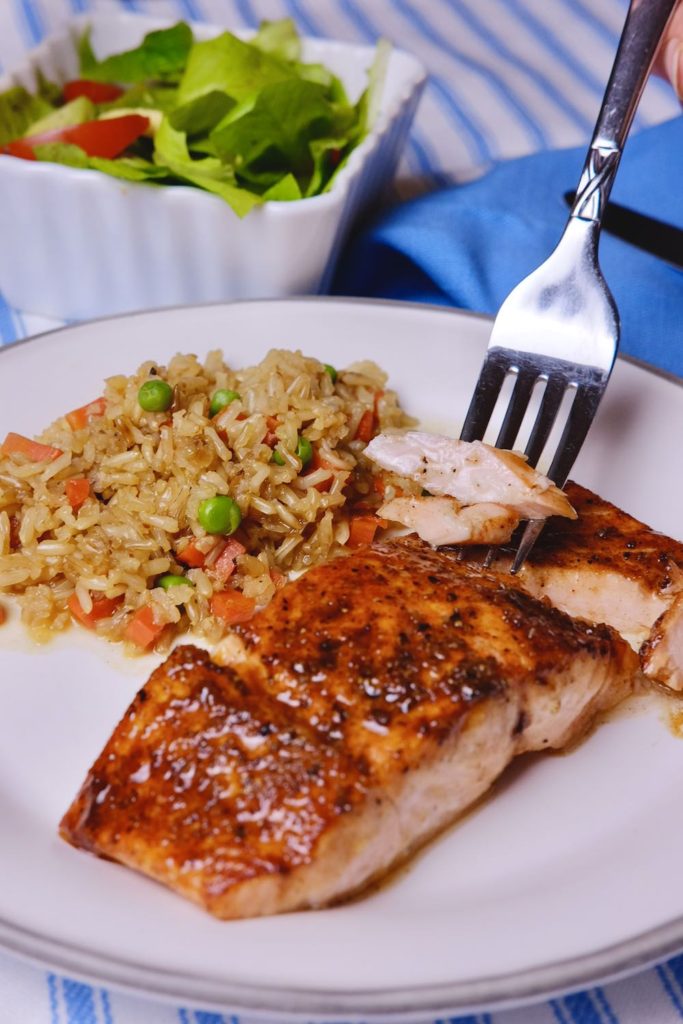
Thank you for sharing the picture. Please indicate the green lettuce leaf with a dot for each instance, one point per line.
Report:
(274, 137)
(157, 97)
(170, 151)
(161, 55)
(128, 168)
(62, 153)
(328, 155)
(18, 111)
(279, 38)
(227, 64)
(336, 92)
(131, 168)
(202, 114)
(284, 190)
(76, 112)
(47, 90)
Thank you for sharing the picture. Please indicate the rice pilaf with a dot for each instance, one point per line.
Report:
(101, 521)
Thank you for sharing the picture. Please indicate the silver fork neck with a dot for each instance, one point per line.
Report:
(643, 30)
(595, 183)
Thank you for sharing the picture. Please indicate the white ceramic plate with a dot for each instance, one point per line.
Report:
(566, 875)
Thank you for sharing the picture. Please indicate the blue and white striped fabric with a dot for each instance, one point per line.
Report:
(507, 77)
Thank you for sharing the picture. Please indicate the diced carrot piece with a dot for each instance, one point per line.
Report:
(78, 418)
(362, 530)
(317, 462)
(77, 490)
(192, 556)
(17, 444)
(232, 607)
(102, 608)
(3, 615)
(224, 566)
(366, 427)
(142, 630)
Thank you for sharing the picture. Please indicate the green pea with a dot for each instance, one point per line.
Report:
(169, 580)
(222, 399)
(219, 514)
(155, 396)
(304, 450)
(278, 459)
(331, 372)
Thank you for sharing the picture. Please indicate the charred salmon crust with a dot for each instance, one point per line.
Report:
(607, 566)
(366, 707)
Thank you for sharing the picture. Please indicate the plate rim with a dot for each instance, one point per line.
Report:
(499, 991)
(456, 311)
(412, 1003)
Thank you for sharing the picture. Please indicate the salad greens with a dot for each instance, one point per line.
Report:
(18, 111)
(161, 55)
(247, 121)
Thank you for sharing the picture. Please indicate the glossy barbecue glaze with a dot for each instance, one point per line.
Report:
(372, 701)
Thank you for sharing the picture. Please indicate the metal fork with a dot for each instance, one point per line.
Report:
(561, 325)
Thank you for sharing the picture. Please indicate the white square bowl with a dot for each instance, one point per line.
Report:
(76, 244)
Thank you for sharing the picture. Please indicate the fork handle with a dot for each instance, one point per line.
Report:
(643, 29)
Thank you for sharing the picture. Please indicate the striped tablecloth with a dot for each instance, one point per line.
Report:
(507, 77)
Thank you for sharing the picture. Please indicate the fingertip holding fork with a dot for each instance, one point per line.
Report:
(560, 325)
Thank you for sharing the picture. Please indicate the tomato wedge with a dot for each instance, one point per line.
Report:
(107, 139)
(20, 148)
(98, 92)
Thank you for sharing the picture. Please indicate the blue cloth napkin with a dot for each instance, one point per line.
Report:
(469, 245)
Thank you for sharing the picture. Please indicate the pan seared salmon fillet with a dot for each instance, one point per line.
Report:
(371, 702)
(606, 566)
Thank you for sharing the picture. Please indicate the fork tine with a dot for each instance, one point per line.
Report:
(547, 414)
(516, 409)
(581, 415)
(484, 399)
(532, 531)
